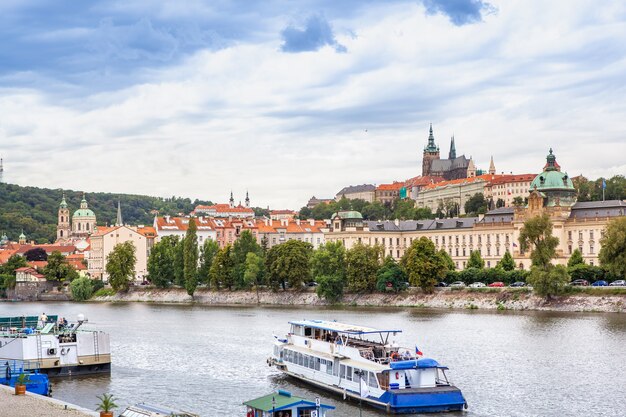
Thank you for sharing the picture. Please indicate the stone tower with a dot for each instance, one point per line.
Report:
(431, 152)
(492, 167)
(471, 169)
(231, 201)
(63, 221)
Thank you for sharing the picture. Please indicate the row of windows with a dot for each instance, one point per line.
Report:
(345, 372)
(581, 249)
(570, 234)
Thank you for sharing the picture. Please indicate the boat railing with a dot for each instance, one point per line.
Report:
(17, 366)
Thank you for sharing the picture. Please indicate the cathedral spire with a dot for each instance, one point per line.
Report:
(247, 200)
(431, 147)
(492, 167)
(231, 202)
(452, 153)
(119, 221)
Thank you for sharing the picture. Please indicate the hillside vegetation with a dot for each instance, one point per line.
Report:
(34, 210)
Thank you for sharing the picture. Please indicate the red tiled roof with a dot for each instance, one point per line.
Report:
(101, 230)
(396, 186)
(48, 248)
(224, 208)
(5, 254)
(30, 271)
(282, 212)
(421, 181)
(504, 179)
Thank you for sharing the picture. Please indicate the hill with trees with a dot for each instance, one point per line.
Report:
(34, 210)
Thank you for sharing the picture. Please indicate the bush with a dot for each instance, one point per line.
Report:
(584, 271)
(105, 292)
(330, 287)
(97, 284)
(82, 289)
(451, 276)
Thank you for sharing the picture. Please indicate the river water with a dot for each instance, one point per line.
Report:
(210, 359)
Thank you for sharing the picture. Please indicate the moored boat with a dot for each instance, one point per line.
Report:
(282, 404)
(55, 347)
(35, 382)
(362, 362)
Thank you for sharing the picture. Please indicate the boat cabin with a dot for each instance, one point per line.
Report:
(283, 404)
(146, 410)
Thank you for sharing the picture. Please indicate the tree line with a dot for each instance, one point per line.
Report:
(400, 209)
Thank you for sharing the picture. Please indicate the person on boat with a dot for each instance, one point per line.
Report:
(43, 319)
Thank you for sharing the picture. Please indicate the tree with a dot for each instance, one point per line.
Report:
(575, 259)
(179, 263)
(82, 289)
(330, 287)
(476, 204)
(404, 209)
(550, 281)
(121, 266)
(13, 263)
(161, 262)
(36, 254)
(518, 201)
(329, 259)
(207, 255)
(536, 234)
(424, 265)
(613, 252)
(289, 262)
(245, 244)
(447, 259)
(475, 260)
(390, 276)
(190, 258)
(362, 264)
(506, 263)
(58, 269)
(305, 213)
(253, 270)
(500, 203)
(221, 272)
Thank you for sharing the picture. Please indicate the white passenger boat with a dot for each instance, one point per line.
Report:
(362, 362)
(56, 348)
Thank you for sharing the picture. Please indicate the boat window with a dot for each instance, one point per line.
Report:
(372, 380)
(300, 359)
(342, 371)
(306, 361)
(329, 368)
(317, 364)
(349, 373)
(307, 331)
(383, 380)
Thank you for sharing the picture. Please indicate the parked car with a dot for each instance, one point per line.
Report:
(441, 284)
(518, 284)
(477, 285)
(312, 284)
(600, 283)
(580, 283)
(618, 283)
(497, 284)
(458, 284)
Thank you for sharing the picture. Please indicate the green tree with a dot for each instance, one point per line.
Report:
(289, 262)
(330, 287)
(575, 259)
(13, 263)
(404, 209)
(58, 269)
(536, 234)
(329, 260)
(475, 260)
(447, 259)
(253, 270)
(362, 264)
(222, 269)
(305, 213)
(120, 266)
(161, 262)
(506, 263)
(82, 289)
(518, 201)
(179, 263)
(245, 244)
(613, 252)
(549, 281)
(476, 204)
(500, 203)
(424, 265)
(390, 276)
(190, 258)
(375, 211)
(207, 255)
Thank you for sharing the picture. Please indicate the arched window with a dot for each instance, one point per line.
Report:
(87, 227)
(61, 233)
(79, 227)
(61, 219)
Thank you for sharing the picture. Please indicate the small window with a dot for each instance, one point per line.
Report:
(349, 373)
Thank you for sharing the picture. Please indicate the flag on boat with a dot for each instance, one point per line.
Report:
(365, 390)
(418, 352)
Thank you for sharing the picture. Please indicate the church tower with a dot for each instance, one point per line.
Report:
(83, 220)
(63, 221)
(231, 202)
(431, 152)
(471, 169)
(247, 200)
(492, 167)
(452, 153)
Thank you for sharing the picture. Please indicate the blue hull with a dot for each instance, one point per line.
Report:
(38, 383)
(423, 401)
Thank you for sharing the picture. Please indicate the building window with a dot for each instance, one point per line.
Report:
(580, 248)
(397, 254)
(443, 240)
(457, 240)
(591, 249)
(463, 264)
(569, 248)
(488, 250)
(376, 241)
(397, 241)
(497, 250)
(463, 255)
(471, 240)
(591, 235)
(569, 235)
(488, 264)
(580, 235)
(457, 251)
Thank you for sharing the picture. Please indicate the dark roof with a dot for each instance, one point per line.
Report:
(593, 209)
(408, 225)
(357, 189)
(443, 165)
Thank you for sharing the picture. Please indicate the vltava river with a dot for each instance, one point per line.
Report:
(210, 359)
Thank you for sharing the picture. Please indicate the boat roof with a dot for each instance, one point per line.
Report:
(281, 400)
(142, 409)
(341, 327)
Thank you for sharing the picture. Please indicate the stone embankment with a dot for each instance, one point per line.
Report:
(489, 299)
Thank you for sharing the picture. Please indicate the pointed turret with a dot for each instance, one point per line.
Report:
(63, 204)
(452, 153)
(431, 147)
(551, 164)
(118, 220)
(247, 200)
(471, 168)
(492, 167)
(22, 238)
(231, 202)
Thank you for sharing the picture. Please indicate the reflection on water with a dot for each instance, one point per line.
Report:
(211, 359)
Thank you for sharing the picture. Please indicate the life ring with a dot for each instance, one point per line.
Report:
(394, 356)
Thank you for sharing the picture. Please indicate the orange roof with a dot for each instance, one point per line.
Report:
(77, 264)
(291, 226)
(225, 208)
(182, 223)
(282, 212)
(393, 187)
(485, 177)
(74, 256)
(48, 248)
(504, 179)
(38, 264)
(5, 254)
(101, 231)
(147, 231)
(421, 181)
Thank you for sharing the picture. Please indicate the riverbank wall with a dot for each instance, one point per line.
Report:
(30, 405)
(443, 298)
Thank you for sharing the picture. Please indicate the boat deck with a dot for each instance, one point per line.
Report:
(425, 390)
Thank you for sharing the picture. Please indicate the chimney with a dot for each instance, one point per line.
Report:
(271, 222)
(298, 222)
(397, 222)
(312, 222)
(167, 219)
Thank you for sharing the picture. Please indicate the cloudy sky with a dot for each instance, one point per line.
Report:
(290, 99)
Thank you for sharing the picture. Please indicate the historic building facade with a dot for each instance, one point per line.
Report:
(79, 226)
(451, 168)
(577, 225)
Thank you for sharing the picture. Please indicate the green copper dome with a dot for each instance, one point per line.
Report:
(552, 178)
(84, 210)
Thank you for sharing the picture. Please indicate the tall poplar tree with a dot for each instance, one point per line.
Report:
(190, 258)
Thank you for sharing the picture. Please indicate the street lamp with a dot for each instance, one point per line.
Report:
(273, 405)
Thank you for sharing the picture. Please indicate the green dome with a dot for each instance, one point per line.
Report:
(552, 180)
(84, 212)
